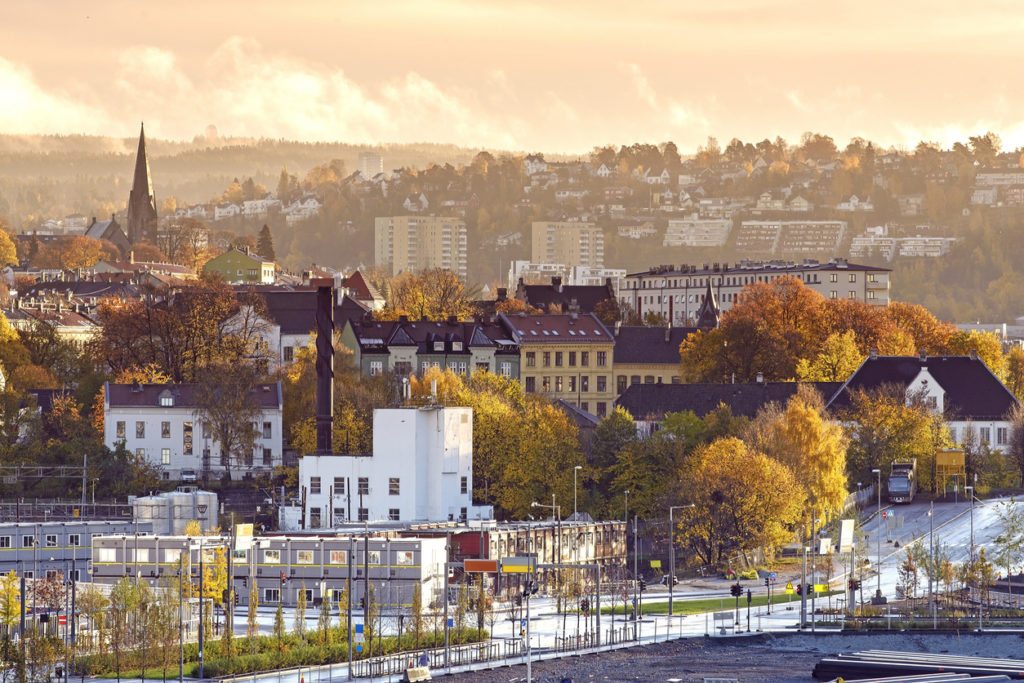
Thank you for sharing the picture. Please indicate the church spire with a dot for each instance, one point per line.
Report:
(141, 200)
(707, 314)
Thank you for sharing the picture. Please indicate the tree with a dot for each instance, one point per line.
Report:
(279, 626)
(837, 360)
(300, 612)
(324, 621)
(1015, 449)
(416, 613)
(123, 600)
(227, 400)
(907, 575)
(1010, 541)
(8, 252)
(165, 625)
(986, 345)
(265, 245)
(435, 294)
(93, 604)
(1015, 371)
(10, 601)
(742, 500)
(252, 628)
(607, 311)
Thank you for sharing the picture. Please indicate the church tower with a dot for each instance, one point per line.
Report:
(141, 201)
(707, 314)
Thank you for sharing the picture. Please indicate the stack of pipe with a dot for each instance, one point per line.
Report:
(871, 665)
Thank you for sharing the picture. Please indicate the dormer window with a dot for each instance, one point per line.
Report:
(456, 346)
(166, 400)
(439, 346)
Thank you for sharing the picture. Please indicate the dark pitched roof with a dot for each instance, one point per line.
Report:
(558, 327)
(142, 395)
(653, 401)
(579, 298)
(636, 344)
(581, 418)
(424, 334)
(972, 392)
(294, 310)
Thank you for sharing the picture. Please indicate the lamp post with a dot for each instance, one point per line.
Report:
(575, 470)
(556, 510)
(672, 554)
(625, 515)
(878, 532)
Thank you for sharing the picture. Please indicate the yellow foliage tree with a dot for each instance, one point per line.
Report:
(836, 361)
(986, 344)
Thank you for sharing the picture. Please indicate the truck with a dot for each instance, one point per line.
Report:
(902, 481)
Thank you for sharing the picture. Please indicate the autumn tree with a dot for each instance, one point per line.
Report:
(987, 346)
(835, 362)
(435, 294)
(10, 601)
(8, 252)
(742, 500)
(229, 403)
(265, 245)
(186, 242)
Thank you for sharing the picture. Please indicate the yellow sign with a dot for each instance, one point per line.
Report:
(655, 564)
(789, 588)
(515, 568)
(821, 588)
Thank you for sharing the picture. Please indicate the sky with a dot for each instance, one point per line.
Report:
(525, 75)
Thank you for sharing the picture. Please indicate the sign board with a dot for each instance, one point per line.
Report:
(655, 564)
(821, 588)
(771, 575)
(359, 629)
(243, 536)
(62, 620)
(518, 565)
(358, 638)
(480, 565)
(451, 623)
(789, 588)
(845, 535)
(825, 547)
(359, 648)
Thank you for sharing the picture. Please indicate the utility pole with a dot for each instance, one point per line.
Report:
(878, 535)
(636, 582)
(803, 591)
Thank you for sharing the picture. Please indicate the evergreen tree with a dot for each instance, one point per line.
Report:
(265, 245)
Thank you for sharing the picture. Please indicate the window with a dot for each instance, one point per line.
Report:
(364, 486)
(75, 540)
(314, 485)
(1001, 436)
(833, 277)
(374, 557)
(986, 434)
(872, 277)
(833, 294)
(620, 383)
(304, 556)
(462, 514)
(271, 595)
(339, 557)
(585, 358)
(852, 294)
(558, 383)
(439, 346)
(336, 595)
(288, 353)
(952, 435)
(314, 518)
(252, 273)
(51, 540)
(139, 554)
(186, 438)
(5, 541)
(106, 554)
(165, 430)
(339, 486)
(172, 555)
(140, 430)
(634, 379)
(585, 405)
(871, 294)
(120, 429)
(394, 486)
(462, 368)
(376, 368)
(602, 359)
(141, 452)
(267, 430)
(547, 359)
(531, 359)
(166, 401)
(572, 383)
(272, 557)
(531, 385)
(268, 457)
(545, 384)
(206, 430)
(585, 383)
(853, 277)
(601, 409)
(394, 515)
(165, 456)
(364, 515)
(558, 359)
(29, 574)
(572, 359)
(602, 383)
(506, 369)
(464, 485)
(403, 368)
(648, 379)
(404, 558)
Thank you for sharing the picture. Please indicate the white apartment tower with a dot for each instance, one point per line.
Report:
(414, 243)
(568, 242)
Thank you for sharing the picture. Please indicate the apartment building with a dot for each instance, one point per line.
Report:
(565, 356)
(790, 238)
(677, 293)
(414, 243)
(43, 549)
(568, 242)
(697, 232)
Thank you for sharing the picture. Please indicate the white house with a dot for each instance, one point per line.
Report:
(163, 424)
(421, 469)
(222, 211)
(855, 203)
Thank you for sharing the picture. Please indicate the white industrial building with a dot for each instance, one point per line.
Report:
(421, 469)
(164, 424)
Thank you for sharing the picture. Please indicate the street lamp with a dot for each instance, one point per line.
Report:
(625, 516)
(878, 533)
(574, 471)
(557, 511)
(672, 554)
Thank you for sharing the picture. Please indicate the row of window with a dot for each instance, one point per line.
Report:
(363, 486)
(984, 435)
(50, 541)
(403, 369)
(248, 459)
(850, 295)
(165, 431)
(569, 384)
(740, 281)
(561, 356)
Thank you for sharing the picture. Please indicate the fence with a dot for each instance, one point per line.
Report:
(458, 655)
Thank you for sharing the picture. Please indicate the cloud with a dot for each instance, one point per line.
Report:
(30, 109)
(643, 87)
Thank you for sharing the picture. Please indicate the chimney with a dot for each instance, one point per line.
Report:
(873, 353)
(556, 282)
(974, 354)
(502, 294)
(324, 369)
(923, 354)
(131, 256)
(760, 378)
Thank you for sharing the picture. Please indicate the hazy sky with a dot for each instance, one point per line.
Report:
(549, 75)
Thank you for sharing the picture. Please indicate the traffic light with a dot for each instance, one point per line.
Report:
(643, 585)
(584, 605)
(750, 596)
(736, 589)
(851, 585)
(362, 603)
(799, 589)
(767, 582)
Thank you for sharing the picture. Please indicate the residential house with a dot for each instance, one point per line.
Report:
(557, 297)
(647, 355)
(242, 267)
(855, 203)
(565, 356)
(226, 210)
(165, 426)
(986, 195)
(110, 231)
(697, 232)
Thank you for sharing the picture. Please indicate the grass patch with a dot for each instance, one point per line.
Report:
(711, 604)
(191, 671)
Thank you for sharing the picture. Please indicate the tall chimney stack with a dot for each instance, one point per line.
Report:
(324, 369)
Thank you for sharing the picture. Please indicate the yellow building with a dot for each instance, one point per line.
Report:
(647, 355)
(567, 356)
(414, 243)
